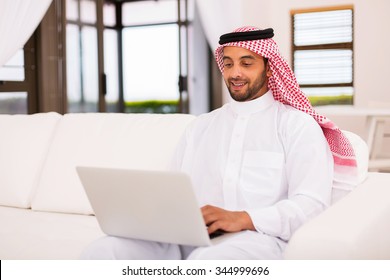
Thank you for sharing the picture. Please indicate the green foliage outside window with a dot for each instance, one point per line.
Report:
(152, 106)
(331, 100)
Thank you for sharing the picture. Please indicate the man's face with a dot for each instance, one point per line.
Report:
(245, 73)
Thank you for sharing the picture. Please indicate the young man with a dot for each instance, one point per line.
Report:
(261, 164)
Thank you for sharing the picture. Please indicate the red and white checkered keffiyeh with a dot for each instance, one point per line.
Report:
(285, 89)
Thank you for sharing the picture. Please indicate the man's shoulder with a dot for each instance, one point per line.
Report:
(206, 120)
(292, 115)
(206, 117)
(294, 123)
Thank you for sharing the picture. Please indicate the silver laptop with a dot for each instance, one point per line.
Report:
(150, 205)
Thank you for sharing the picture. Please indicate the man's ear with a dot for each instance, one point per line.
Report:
(268, 70)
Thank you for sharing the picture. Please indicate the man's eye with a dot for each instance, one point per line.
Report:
(228, 65)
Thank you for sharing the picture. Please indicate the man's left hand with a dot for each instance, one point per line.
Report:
(230, 221)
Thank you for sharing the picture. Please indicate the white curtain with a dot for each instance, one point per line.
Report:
(18, 20)
(219, 17)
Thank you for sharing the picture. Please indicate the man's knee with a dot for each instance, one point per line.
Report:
(109, 247)
(210, 253)
(245, 245)
(101, 249)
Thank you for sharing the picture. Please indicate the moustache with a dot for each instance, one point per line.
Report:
(237, 80)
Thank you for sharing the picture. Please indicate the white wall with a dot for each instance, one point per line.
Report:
(371, 50)
(371, 40)
(198, 74)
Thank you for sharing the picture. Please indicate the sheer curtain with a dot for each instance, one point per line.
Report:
(219, 17)
(18, 20)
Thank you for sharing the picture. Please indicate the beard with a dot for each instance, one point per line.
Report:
(253, 90)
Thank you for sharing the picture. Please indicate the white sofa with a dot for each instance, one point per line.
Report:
(45, 214)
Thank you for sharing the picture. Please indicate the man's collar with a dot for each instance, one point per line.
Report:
(252, 106)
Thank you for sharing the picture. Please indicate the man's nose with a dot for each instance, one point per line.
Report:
(236, 71)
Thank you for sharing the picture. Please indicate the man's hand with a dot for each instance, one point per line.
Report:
(229, 221)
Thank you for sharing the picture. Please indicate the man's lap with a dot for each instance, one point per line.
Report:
(242, 245)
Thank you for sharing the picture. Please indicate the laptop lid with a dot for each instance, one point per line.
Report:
(150, 205)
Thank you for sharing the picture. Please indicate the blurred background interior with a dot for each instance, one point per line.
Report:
(156, 56)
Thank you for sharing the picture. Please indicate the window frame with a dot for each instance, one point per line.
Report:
(182, 23)
(29, 84)
(98, 26)
(331, 46)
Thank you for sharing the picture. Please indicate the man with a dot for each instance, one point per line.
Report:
(261, 164)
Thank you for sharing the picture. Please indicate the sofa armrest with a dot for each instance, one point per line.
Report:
(356, 227)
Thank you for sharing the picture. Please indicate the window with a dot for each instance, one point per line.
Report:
(111, 58)
(154, 56)
(82, 56)
(111, 48)
(13, 70)
(18, 82)
(322, 51)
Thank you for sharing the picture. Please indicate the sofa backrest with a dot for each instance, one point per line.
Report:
(138, 141)
(38, 154)
(24, 143)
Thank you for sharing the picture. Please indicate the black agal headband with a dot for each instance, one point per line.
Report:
(246, 36)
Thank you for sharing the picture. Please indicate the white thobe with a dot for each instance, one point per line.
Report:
(262, 157)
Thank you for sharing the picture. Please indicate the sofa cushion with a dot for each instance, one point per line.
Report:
(356, 227)
(24, 144)
(31, 235)
(138, 141)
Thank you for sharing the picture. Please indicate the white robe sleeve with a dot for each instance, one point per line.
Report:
(309, 174)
